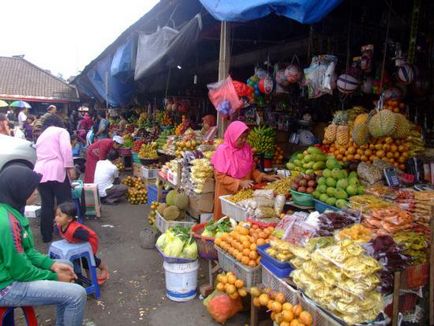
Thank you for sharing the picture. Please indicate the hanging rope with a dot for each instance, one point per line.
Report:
(383, 65)
(347, 64)
(413, 30)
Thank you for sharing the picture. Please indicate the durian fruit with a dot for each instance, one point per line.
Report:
(170, 198)
(181, 201)
(402, 126)
(360, 134)
(161, 208)
(382, 123)
(171, 213)
(361, 119)
(330, 133)
(342, 135)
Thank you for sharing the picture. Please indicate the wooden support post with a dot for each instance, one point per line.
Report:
(253, 313)
(224, 63)
(396, 290)
(431, 270)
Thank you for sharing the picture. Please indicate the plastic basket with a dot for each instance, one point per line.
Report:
(232, 210)
(302, 199)
(278, 268)
(174, 260)
(263, 224)
(320, 316)
(152, 193)
(271, 281)
(205, 245)
(321, 207)
(163, 225)
(250, 276)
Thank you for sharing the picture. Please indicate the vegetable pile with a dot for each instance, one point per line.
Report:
(215, 229)
(177, 242)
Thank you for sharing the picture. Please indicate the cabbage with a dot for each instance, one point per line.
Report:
(162, 241)
(190, 251)
(174, 247)
(219, 234)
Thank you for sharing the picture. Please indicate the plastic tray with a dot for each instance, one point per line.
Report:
(163, 225)
(232, 210)
(174, 260)
(284, 266)
(205, 245)
(321, 207)
(250, 276)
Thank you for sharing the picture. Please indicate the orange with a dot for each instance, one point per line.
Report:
(284, 323)
(287, 306)
(246, 244)
(253, 246)
(270, 304)
(242, 292)
(287, 315)
(297, 309)
(234, 296)
(231, 279)
(280, 297)
(260, 242)
(253, 255)
(256, 302)
(246, 252)
(239, 284)
(252, 263)
(245, 260)
(276, 307)
(220, 286)
(380, 153)
(306, 318)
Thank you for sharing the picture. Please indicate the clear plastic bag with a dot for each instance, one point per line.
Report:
(223, 96)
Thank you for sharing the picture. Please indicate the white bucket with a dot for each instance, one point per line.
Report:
(181, 280)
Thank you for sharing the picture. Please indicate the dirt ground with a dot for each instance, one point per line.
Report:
(135, 293)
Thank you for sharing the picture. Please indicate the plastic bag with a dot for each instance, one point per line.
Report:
(224, 97)
(320, 75)
(221, 307)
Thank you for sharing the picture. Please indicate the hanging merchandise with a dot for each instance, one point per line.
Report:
(392, 93)
(281, 81)
(366, 86)
(320, 74)
(244, 90)
(347, 84)
(293, 73)
(224, 97)
(405, 74)
(366, 59)
(266, 85)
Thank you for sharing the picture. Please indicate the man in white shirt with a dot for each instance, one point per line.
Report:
(107, 177)
(22, 117)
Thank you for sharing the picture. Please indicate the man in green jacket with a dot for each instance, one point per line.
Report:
(27, 277)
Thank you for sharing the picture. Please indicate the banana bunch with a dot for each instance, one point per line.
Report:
(162, 139)
(148, 151)
(416, 143)
(262, 139)
(201, 171)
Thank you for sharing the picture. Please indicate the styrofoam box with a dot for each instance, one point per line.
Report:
(32, 211)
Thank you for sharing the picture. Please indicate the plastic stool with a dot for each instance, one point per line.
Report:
(7, 316)
(74, 252)
(93, 203)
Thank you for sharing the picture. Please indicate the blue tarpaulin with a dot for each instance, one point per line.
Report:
(124, 60)
(303, 11)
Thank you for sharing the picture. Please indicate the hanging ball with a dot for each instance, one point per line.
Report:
(293, 74)
(347, 84)
(266, 85)
(281, 78)
(405, 74)
(392, 93)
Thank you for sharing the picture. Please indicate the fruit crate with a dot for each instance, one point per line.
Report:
(163, 225)
(269, 280)
(275, 266)
(250, 276)
(321, 207)
(233, 210)
(302, 199)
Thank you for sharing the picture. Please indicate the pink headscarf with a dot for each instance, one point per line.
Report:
(230, 160)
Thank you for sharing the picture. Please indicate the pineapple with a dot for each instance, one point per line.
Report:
(340, 118)
(342, 135)
(330, 133)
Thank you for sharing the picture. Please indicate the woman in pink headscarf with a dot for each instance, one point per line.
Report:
(234, 166)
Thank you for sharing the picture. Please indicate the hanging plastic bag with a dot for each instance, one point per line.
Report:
(320, 75)
(221, 307)
(224, 97)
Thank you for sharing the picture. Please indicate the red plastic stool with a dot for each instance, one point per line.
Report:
(7, 316)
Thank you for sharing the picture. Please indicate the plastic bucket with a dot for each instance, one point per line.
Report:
(181, 280)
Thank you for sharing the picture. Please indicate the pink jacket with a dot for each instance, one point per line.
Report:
(54, 154)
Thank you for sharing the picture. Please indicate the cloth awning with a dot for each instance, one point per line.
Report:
(303, 11)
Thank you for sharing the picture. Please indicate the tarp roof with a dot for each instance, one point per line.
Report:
(303, 11)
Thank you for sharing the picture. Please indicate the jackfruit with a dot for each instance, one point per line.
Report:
(382, 123)
(402, 126)
(161, 208)
(181, 201)
(170, 198)
(171, 213)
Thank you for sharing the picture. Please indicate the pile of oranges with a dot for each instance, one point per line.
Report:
(393, 151)
(283, 313)
(278, 156)
(233, 287)
(242, 241)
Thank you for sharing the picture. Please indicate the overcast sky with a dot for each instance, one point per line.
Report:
(64, 36)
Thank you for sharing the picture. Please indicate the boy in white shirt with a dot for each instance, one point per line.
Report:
(107, 179)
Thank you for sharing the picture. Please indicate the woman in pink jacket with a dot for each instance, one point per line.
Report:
(54, 162)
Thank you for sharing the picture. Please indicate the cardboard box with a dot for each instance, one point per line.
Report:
(203, 203)
(208, 186)
(32, 211)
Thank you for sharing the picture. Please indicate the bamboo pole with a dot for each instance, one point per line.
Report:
(431, 271)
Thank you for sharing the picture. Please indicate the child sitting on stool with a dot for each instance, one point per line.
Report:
(74, 232)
